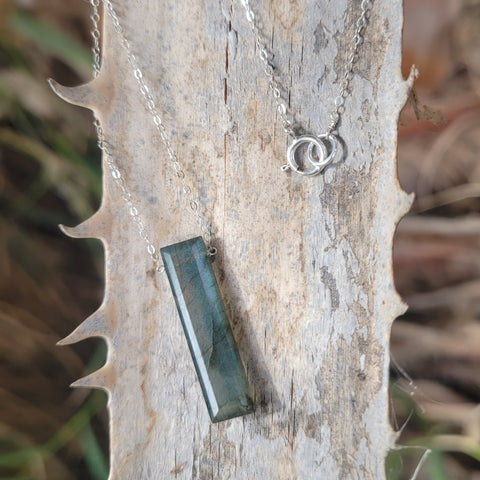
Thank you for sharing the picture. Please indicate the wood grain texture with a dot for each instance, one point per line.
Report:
(304, 264)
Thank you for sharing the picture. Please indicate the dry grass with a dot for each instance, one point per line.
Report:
(436, 345)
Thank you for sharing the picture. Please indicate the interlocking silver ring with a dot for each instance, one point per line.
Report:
(332, 149)
(324, 155)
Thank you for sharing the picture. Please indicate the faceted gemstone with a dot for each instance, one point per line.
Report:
(206, 326)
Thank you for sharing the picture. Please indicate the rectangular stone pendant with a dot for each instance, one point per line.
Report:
(208, 331)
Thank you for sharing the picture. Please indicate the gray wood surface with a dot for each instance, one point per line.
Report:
(304, 264)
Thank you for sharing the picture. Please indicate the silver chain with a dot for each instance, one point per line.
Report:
(276, 89)
(266, 57)
(95, 33)
(157, 120)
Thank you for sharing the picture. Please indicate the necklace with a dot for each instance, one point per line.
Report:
(210, 339)
(188, 264)
(320, 149)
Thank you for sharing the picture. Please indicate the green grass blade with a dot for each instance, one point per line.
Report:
(65, 434)
(436, 467)
(93, 455)
(53, 41)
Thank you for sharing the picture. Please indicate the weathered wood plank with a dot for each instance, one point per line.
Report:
(304, 264)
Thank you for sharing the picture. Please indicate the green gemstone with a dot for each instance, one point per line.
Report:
(206, 326)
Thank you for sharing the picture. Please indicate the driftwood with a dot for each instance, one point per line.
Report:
(304, 264)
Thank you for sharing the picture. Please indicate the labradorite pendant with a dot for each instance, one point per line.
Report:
(206, 326)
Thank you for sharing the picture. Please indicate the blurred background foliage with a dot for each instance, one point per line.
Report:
(50, 173)
(436, 344)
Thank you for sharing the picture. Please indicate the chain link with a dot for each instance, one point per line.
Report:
(95, 33)
(149, 101)
(275, 87)
(109, 160)
(127, 197)
(157, 120)
(266, 57)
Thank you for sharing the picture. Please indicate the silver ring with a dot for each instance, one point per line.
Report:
(312, 143)
(329, 158)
